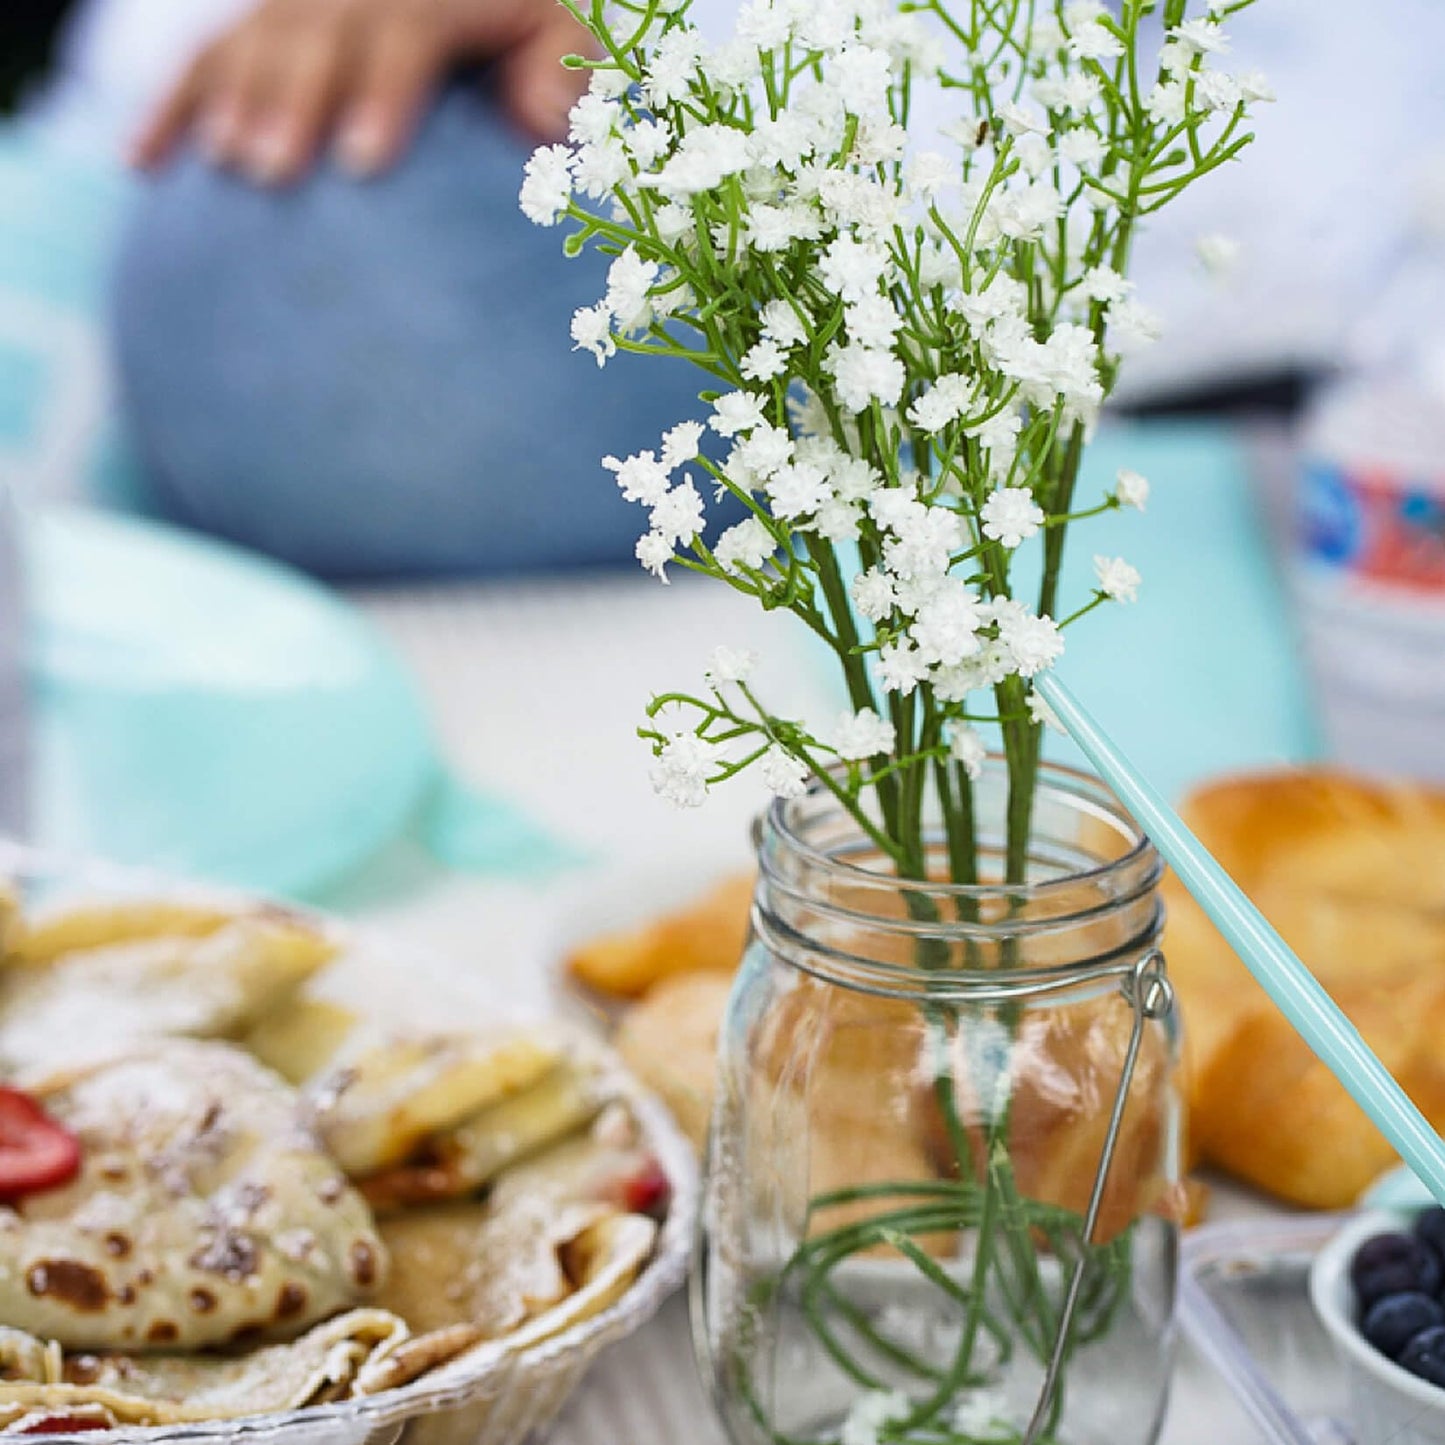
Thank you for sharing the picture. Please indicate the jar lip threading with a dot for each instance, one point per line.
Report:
(1085, 789)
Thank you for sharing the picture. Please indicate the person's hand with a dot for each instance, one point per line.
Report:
(294, 76)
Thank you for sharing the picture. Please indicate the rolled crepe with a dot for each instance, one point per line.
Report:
(321, 1365)
(80, 1004)
(204, 1212)
(461, 1160)
(377, 1105)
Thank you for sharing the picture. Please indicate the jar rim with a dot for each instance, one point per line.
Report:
(801, 871)
(1085, 788)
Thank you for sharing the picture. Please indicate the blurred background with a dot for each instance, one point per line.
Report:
(311, 580)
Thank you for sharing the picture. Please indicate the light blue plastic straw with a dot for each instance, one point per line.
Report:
(1294, 989)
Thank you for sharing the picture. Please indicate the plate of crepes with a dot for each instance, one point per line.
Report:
(266, 1177)
(1351, 872)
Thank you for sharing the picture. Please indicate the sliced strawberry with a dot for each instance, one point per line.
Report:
(64, 1425)
(647, 1191)
(36, 1153)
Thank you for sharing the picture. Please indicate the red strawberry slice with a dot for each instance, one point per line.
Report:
(36, 1153)
(64, 1425)
(647, 1191)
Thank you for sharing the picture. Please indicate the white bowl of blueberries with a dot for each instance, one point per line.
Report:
(1378, 1288)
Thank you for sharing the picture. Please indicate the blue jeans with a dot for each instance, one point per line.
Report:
(373, 379)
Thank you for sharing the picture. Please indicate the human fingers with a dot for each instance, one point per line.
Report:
(399, 63)
(305, 78)
(537, 89)
(162, 130)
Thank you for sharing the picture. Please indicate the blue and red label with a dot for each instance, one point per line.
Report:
(1376, 525)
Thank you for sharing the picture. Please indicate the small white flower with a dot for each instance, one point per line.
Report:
(1166, 103)
(1011, 516)
(673, 222)
(679, 444)
(781, 324)
(1177, 59)
(672, 69)
(1095, 41)
(547, 185)
(837, 520)
(987, 668)
(763, 361)
(967, 748)
(945, 401)
(783, 774)
(861, 735)
(592, 331)
(764, 451)
(852, 269)
(1026, 210)
(1133, 324)
(647, 142)
(1102, 283)
(592, 119)
(729, 664)
(678, 514)
(682, 768)
(1201, 36)
(901, 667)
(982, 1415)
(1132, 489)
(1117, 579)
(1254, 85)
(946, 628)
(608, 81)
(797, 491)
(746, 544)
(736, 411)
(1034, 643)
(1219, 254)
(599, 167)
(1018, 121)
(873, 594)
(629, 278)
(864, 374)
(642, 477)
(1082, 147)
(1034, 155)
(1040, 712)
(654, 551)
(930, 172)
(872, 322)
(870, 1412)
(1215, 90)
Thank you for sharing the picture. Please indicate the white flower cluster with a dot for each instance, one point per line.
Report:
(871, 1411)
(915, 334)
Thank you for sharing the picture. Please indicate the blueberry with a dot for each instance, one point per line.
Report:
(1392, 1322)
(1430, 1226)
(1425, 1355)
(1392, 1264)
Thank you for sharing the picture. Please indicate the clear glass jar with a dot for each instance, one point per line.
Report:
(906, 1235)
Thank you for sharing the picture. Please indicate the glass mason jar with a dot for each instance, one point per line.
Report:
(944, 1181)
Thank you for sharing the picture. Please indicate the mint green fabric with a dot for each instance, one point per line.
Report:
(1202, 675)
(209, 712)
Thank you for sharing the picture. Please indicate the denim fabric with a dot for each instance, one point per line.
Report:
(373, 379)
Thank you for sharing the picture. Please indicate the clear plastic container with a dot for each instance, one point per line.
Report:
(1245, 1311)
(1369, 557)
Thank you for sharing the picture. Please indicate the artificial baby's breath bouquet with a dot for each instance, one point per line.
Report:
(910, 330)
(895, 237)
